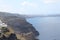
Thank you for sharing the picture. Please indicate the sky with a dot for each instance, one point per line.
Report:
(30, 7)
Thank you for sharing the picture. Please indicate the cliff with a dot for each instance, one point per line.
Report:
(17, 24)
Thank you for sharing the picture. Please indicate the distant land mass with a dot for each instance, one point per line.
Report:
(32, 16)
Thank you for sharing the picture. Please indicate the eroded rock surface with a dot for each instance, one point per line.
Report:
(23, 29)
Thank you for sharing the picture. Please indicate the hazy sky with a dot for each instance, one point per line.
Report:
(31, 7)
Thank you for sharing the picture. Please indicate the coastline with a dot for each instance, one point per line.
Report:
(23, 29)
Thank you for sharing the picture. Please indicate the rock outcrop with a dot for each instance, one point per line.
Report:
(22, 29)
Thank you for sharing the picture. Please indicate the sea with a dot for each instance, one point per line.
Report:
(48, 27)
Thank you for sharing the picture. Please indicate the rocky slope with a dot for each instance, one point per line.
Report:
(23, 29)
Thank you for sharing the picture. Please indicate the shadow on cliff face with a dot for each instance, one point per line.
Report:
(11, 37)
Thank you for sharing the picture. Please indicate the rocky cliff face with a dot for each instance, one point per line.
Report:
(23, 29)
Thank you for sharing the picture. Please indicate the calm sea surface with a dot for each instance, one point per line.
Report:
(48, 27)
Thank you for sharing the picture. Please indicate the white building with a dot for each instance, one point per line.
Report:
(2, 24)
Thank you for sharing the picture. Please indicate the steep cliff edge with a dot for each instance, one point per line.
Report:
(23, 29)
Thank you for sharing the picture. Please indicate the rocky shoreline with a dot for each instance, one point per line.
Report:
(20, 27)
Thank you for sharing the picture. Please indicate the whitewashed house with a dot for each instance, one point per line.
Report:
(2, 24)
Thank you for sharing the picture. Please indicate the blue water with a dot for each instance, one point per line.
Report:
(48, 27)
